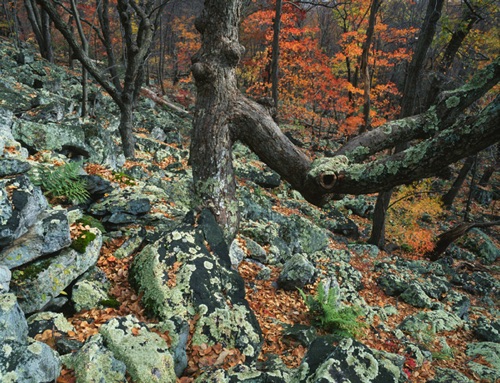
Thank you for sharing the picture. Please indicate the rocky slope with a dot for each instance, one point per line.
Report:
(131, 283)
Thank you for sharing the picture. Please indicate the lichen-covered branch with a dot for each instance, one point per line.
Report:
(450, 106)
(423, 159)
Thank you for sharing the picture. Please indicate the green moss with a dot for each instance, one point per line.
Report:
(124, 178)
(29, 272)
(452, 102)
(87, 220)
(111, 302)
(80, 244)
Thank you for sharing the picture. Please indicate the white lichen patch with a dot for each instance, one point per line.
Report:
(208, 265)
(35, 348)
(6, 350)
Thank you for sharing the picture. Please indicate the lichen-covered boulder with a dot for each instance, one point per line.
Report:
(5, 277)
(50, 136)
(39, 282)
(94, 363)
(348, 361)
(88, 294)
(12, 322)
(416, 296)
(20, 205)
(480, 244)
(272, 370)
(28, 362)
(48, 235)
(178, 331)
(13, 166)
(448, 375)
(255, 251)
(236, 254)
(488, 330)
(144, 353)
(122, 206)
(39, 322)
(338, 223)
(297, 272)
(180, 276)
(490, 351)
(430, 322)
(301, 235)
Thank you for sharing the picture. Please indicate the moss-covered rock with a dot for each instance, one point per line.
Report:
(490, 351)
(428, 323)
(179, 276)
(297, 272)
(12, 321)
(48, 278)
(90, 294)
(94, 363)
(144, 353)
(480, 244)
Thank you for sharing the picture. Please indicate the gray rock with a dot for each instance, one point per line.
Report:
(303, 236)
(236, 254)
(255, 251)
(490, 351)
(486, 330)
(448, 375)
(50, 136)
(12, 322)
(145, 353)
(94, 363)
(480, 244)
(122, 206)
(428, 323)
(11, 166)
(88, 294)
(297, 272)
(32, 362)
(20, 205)
(5, 277)
(415, 296)
(349, 361)
(48, 235)
(41, 281)
(364, 249)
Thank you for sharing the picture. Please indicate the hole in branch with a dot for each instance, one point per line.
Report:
(327, 181)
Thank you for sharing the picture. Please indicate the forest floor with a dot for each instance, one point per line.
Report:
(275, 308)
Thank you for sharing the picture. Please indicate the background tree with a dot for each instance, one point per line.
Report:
(138, 23)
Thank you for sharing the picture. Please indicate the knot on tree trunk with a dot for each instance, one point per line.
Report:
(201, 72)
(328, 171)
(232, 51)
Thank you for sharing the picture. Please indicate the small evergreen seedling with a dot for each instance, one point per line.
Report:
(327, 314)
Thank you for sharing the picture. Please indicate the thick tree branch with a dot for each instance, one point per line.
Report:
(450, 106)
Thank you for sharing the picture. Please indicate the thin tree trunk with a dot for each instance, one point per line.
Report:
(363, 67)
(276, 54)
(449, 197)
(126, 129)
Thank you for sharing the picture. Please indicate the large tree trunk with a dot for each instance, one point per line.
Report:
(223, 115)
(126, 129)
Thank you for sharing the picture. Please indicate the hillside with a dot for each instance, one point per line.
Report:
(125, 280)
